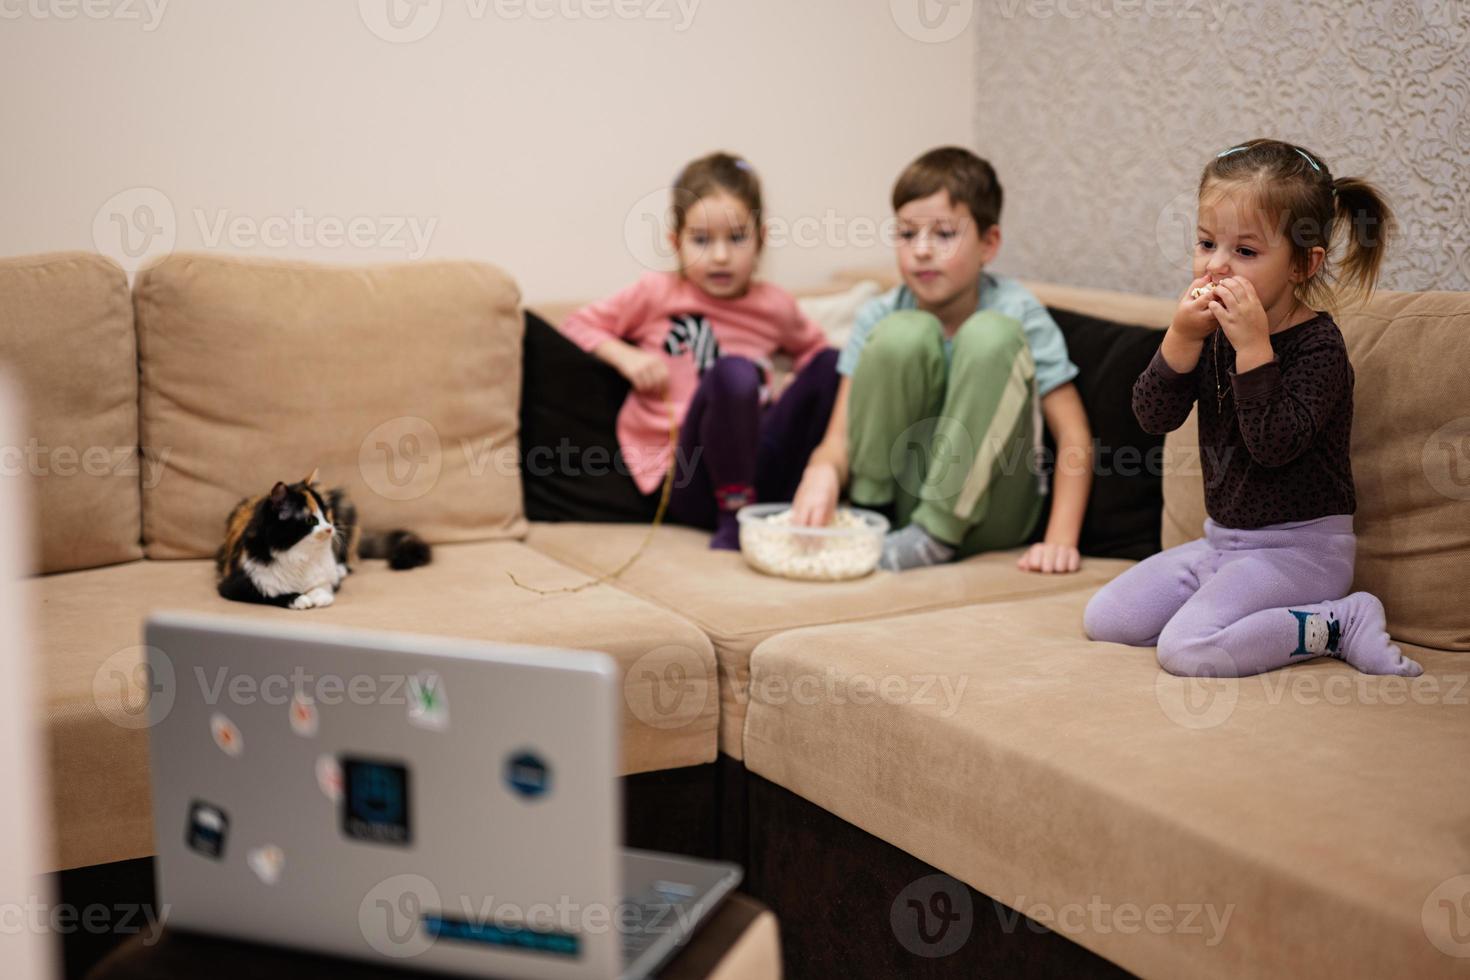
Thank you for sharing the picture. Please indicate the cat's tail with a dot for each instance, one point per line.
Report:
(403, 549)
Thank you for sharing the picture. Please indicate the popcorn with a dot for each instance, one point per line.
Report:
(847, 548)
(1205, 290)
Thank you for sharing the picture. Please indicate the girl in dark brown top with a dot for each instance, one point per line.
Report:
(1268, 584)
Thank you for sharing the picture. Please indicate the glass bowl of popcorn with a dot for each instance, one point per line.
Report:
(847, 548)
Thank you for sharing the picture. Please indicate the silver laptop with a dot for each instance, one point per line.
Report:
(445, 804)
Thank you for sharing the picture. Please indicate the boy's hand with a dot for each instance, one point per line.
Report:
(1050, 559)
(1240, 314)
(647, 373)
(816, 496)
(1193, 319)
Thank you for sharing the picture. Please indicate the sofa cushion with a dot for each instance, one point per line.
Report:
(1411, 463)
(572, 467)
(401, 383)
(90, 627)
(738, 607)
(1109, 304)
(66, 334)
(1106, 304)
(1184, 486)
(836, 313)
(1126, 500)
(1131, 810)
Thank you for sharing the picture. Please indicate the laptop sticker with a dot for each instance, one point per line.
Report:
(428, 704)
(226, 735)
(329, 777)
(495, 933)
(303, 715)
(527, 775)
(267, 863)
(209, 826)
(375, 806)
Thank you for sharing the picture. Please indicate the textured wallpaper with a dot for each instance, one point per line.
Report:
(1100, 114)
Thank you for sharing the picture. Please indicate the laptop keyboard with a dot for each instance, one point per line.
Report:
(645, 918)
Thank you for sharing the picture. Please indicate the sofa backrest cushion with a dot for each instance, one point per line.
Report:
(1109, 356)
(1126, 500)
(399, 383)
(66, 334)
(1184, 486)
(1106, 304)
(1411, 463)
(572, 468)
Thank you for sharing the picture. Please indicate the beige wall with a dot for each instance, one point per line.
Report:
(545, 143)
(1100, 115)
(538, 142)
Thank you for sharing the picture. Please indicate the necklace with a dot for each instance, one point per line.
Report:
(1221, 389)
(1219, 386)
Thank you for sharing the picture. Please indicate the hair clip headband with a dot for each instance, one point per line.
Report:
(739, 163)
(1302, 153)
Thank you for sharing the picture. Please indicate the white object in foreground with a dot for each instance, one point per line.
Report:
(25, 846)
(847, 548)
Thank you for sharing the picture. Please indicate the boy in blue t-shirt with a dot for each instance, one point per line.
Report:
(945, 382)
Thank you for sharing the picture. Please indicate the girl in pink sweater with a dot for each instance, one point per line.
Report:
(697, 343)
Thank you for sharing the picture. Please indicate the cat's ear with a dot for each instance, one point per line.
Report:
(311, 480)
(278, 494)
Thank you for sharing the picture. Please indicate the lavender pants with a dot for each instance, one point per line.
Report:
(1235, 603)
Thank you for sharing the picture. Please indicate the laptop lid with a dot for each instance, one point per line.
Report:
(448, 804)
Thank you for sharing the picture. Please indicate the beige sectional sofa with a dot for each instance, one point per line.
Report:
(957, 714)
(249, 372)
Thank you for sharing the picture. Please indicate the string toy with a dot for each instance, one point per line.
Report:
(658, 518)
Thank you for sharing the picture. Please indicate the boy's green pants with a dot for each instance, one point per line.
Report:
(950, 442)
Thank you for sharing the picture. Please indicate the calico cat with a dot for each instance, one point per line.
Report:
(293, 547)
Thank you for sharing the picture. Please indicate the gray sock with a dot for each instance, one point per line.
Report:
(912, 547)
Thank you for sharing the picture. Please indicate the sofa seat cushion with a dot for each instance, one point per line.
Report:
(1318, 808)
(66, 334)
(90, 630)
(738, 607)
(399, 382)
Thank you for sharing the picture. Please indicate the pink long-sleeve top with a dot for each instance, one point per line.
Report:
(668, 316)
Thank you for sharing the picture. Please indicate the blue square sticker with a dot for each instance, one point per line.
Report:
(375, 801)
(208, 829)
(528, 775)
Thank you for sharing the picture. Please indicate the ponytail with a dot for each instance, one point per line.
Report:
(1366, 222)
(1347, 216)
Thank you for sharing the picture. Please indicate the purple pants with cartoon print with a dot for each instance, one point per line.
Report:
(1237, 602)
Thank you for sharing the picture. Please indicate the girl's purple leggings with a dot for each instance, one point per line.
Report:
(1235, 603)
